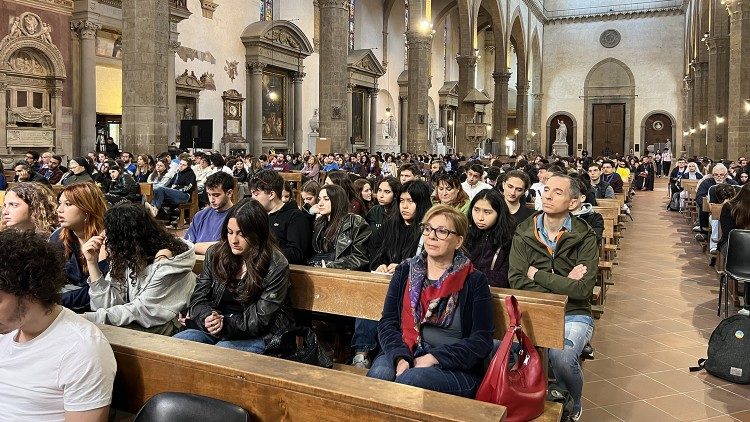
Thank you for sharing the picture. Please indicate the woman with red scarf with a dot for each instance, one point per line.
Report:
(436, 329)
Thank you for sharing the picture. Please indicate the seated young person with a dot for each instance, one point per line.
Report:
(363, 193)
(514, 188)
(150, 279)
(586, 211)
(388, 190)
(491, 229)
(408, 172)
(54, 365)
(24, 173)
(449, 192)
(205, 228)
(291, 227)
(341, 178)
(122, 187)
(339, 237)
(240, 299)
(160, 176)
(309, 194)
(556, 252)
(29, 206)
(443, 350)
(474, 183)
(176, 192)
(80, 211)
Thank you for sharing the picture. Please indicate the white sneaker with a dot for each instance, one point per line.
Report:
(576, 416)
(152, 209)
(360, 361)
(744, 311)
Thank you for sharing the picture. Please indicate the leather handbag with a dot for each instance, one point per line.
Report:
(522, 388)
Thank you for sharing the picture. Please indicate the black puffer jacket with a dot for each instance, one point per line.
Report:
(126, 187)
(350, 250)
(267, 314)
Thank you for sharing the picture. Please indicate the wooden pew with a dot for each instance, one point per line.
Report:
(272, 389)
(147, 190)
(187, 210)
(296, 177)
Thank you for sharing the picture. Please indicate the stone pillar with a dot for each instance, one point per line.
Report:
(521, 116)
(536, 123)
(172, 93)
(687, 117)
(254, 122)
(3, 119)
(444, 117)
(402, 132)
(466, 111)
(500, 115)
(145, 75)
(349, 90)
(418, 48)
(373, 120)
(334, 48)
(739, 70)
(297, 81)
(86, 31)
(718, 92)
(700, 107)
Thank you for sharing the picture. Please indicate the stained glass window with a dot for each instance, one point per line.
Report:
(266, 10)
(351, 24)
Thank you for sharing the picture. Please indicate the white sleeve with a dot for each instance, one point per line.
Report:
(87, 374)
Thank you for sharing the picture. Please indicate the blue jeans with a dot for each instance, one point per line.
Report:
(458, 383)
(365, 338)
(565, 363)
(253, 345)
(165, 195)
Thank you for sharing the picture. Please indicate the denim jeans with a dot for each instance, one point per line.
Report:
(365, 338)
(253, 345)
(714, 240)
(564, 363)
(458, 383)
(164, 195)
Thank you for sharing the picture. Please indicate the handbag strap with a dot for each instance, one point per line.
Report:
(514, 314)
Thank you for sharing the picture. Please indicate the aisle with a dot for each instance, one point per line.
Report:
(657, 321)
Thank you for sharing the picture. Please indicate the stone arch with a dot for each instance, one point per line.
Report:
(52, 55)
(609, 83)
(572, 132)
(672, 133)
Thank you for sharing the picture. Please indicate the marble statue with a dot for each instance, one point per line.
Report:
(392, 127)
(562, 132)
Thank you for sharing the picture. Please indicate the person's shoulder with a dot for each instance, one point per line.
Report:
(82, 337)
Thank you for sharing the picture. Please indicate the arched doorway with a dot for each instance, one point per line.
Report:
(657, 128)
(554, 122)
(609, 101)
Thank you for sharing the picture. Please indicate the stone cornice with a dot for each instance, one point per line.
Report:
(64, 6)
(113, 3)
(597, 17)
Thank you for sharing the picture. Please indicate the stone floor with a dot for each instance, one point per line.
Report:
(657, 321)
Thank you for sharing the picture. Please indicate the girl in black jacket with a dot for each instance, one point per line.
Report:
(491, 229)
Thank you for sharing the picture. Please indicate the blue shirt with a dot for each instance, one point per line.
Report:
(206, 226)
(544, 236)
(330, 167)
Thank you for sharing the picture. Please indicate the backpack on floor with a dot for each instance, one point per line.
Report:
(729, 351)
(674, 203)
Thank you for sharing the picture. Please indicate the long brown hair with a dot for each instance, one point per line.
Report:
(741, 207)
(41, 204)
(90, 200)
(252, 219)
(331, 225)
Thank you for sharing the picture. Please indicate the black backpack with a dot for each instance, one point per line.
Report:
(729, 351)
(674, 203)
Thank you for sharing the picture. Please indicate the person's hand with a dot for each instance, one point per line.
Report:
(23, 174)
(391, 268)
(425, 361)
(531, 272)
(214, 323)
(401, 366)
(577, 272)
(381, 268)
(92, 248)
(182, 319)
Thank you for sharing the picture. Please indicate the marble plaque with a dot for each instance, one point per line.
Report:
(233, 126)
(30, 138)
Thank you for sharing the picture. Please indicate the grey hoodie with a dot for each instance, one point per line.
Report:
(155, 299)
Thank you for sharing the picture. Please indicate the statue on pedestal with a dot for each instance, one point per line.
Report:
(562, 132)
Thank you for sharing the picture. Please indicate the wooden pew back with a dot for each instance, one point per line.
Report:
(272, 389)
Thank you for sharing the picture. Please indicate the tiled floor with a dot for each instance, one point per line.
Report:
(657, 321)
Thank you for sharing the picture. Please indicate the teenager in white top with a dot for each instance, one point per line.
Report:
(54, 365)
(474, 183)
(666, 161)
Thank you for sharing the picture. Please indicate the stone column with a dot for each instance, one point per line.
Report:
(521, 116)
(3, 119)
(254, 122)
(403, 118)
(349, 90)
(172, 93)
(718, 92)
(500, 115)
(700, 107)
(466, 81)
(86, 31)
(373, 120)
(297, 81)
(687, 117)
(145, 75)
(418, 48)
(739, 71)
(334, 48)
(444, 117)
(536, 123)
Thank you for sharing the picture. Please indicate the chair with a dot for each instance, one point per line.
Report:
(736, 266)
(181, 407)
(187, 210)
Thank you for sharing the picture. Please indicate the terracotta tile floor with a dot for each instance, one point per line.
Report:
(657, 321)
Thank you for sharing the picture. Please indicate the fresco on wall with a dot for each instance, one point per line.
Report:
(109, 44)
(274, 102)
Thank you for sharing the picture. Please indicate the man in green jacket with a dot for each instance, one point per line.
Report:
(556, 252)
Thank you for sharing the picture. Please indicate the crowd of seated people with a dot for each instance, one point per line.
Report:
(445, 228)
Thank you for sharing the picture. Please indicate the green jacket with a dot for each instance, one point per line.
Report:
(578, 246)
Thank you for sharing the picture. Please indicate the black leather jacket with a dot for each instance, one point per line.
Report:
(350, 249)
(267, 314)
(125, 186)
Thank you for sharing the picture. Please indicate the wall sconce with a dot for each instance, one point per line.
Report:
(747, 105)
(686, 133)
(515, 131)
(425, 27)
(703, 126)
(719, 120)
(450, 122)
(388, 112)
(692, 130)
(489, 127)
(533, 134)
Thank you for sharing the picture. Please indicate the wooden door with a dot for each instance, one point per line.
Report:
(608, 134)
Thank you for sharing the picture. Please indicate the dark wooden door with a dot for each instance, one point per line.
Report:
(608, 135)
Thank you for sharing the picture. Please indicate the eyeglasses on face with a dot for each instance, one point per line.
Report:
(440, 232)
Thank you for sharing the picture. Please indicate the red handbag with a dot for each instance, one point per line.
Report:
(522, 389)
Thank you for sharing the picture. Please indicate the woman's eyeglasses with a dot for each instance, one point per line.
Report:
(440, 232)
